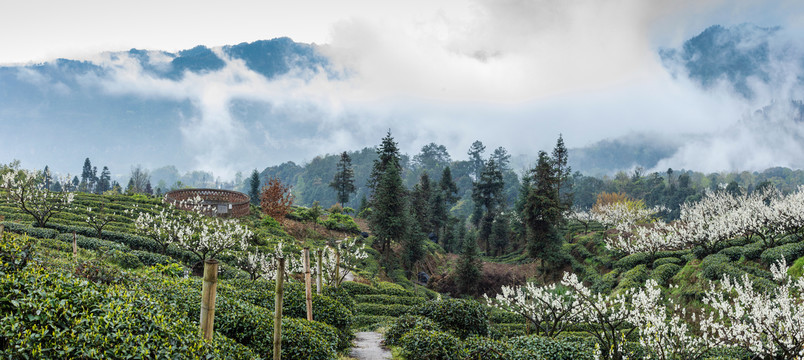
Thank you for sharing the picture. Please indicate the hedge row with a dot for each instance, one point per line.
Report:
(389, 299)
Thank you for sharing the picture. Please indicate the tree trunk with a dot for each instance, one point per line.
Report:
(318, 280)
(308, 292)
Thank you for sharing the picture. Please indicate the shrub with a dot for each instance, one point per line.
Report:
(389, 299)
(463, 317)
(56, 316)
(715, 266)
(633, 278)
(663, 273)
(15, 252)
(478, 347)
(606, 282)
(734, 252)
(341, 222)
(40, 233)
(421, 344)
(498, 316)
(631, 261)
(504, 331)
(390, 288)
(355, 288)
(126, 260)
(97, 271)
(381, 309)
(753, 251)
(788, 252)
(666, 260)
(151, 259)
(406, 323)
(536, 347)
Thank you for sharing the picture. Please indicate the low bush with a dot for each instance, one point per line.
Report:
(406, 323)
(151, 259)
(753, 251)
(715, 266)
(734, 252)
(536, 347)
(498, 316)
(630, 261)
(381, 309)
(461, 316)
(663, 273)
(421, 344)
(40, 233)
(125, 260)
(389, 288)
(667, 260)
(504, 331)
(355, 288)
(633, 278)
(788, 252)
(389, 299)
(341, 222)
(15, 252)
(478, 347)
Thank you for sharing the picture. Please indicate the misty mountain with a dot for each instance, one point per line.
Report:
(220, 110)
(737, 55)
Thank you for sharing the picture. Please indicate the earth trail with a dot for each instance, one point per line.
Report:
(367, 347)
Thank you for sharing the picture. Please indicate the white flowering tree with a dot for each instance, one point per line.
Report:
(165, 228)
(768, 323)
(26, 190)
(263, 264)
(98, 218)
(583, 217)
(213, 236)
(663, 329)
(624, 215)
(550, 309)
(651, 238)
(335, 270)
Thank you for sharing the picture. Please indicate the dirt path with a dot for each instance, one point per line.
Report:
(367, 347)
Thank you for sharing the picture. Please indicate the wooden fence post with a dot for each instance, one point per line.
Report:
(208, 293)
(308, 292)
(280, 278)
(75, 247)
(318, 284)
(2, 227)
(337, 279)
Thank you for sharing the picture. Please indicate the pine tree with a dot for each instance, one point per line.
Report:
(254, 187)
(476, 158)
(563, 174)
(105, 180)
(86, 176)
(469, 268)
(389, 216)
(542, 212)
(47, 177)
(344, 180)
(420, 202)
(448, 187)
(488, 197)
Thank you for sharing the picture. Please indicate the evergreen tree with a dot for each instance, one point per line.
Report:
(421, 203)
(56, 187)
(105, 180)
(344, 180)
(75, 183)
(254, 187)
(448, 188)
(389, 216)
(47, 178)
(563, 174)
(469, 268)
(476, 158)
(488, 198)
(86, 176)
(93, 181)
(364, 204)
(542, 212)
(502, 158)
(500, 233)
(148, 190)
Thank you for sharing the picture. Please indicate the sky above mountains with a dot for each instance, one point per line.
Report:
(509, 73)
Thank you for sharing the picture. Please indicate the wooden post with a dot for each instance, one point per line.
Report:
(318, 283)
(75, 247)
(208, 298)
(280, 278)
(2, 227)
(337, 279)
(308, 292)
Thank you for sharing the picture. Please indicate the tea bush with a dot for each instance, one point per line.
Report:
(406, 323)
(463, 317)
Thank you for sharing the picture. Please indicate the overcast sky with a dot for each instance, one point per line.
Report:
(586, 68)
